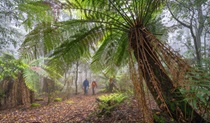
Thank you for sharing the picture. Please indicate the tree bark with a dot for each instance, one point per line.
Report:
(151, 68)
(16, 92)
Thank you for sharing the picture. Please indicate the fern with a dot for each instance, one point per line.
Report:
(108, 102)
(36, 69)
(197, 90)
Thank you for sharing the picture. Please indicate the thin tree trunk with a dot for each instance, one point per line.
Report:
(76, 78)
(205, 52)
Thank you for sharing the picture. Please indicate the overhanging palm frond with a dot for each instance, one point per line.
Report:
(36, 69)
(100, 13)
(112, 53)
(79, 42)
(40, 41)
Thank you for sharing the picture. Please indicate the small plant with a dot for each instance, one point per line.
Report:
(35, 105)
(109, 102)
(118, 97)
(57, 99)
(159, 118)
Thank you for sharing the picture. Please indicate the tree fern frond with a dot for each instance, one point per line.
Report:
(37, 68)
(99, 15)
(78, 44)
(44, 36)
(31, 79)
(112, 53)
(121, 55)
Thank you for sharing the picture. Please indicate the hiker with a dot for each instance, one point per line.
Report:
(86, 86)
(93, 85)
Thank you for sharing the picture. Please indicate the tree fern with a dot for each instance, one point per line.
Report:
(118, 24)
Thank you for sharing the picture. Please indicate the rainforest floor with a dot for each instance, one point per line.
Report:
(77, 109)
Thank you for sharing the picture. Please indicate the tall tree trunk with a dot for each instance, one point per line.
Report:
(205, 46)
(76, 78)
(159, 83)
(49, 87)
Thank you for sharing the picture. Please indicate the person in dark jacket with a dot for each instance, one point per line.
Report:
(86, 86)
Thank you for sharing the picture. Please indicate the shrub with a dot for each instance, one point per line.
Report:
(57, 99)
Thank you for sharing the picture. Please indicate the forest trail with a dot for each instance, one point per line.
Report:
(78, 109)
(75, 109)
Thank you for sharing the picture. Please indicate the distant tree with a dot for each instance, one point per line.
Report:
(11, 34)
(76, 78)
(13, 87)
(192, 15)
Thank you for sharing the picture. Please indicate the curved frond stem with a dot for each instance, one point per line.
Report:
(124, 16)
(102, 13)
(147, 10)
(152, 6)
(118, 27)
(80, 42)
(131, 12)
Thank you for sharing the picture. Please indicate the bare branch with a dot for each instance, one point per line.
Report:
(184, 24)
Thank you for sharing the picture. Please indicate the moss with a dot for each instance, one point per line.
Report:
(57, 99)
(39, 99)
(69, 102)
(35, 105)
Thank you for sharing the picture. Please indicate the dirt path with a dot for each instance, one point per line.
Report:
(73, 110)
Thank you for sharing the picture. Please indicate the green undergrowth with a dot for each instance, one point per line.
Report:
(108, 102)
(162, 117)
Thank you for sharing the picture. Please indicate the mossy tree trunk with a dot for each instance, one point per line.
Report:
(159, 83)
(15, 92)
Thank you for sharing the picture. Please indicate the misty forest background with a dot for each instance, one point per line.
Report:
(152, 50)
